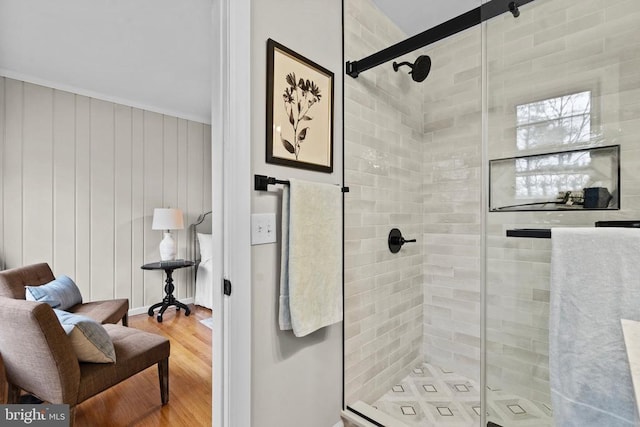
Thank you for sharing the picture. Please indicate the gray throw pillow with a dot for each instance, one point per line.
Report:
(61, 293)
(89, 339)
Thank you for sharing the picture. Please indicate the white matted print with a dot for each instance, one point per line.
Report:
(299, 111)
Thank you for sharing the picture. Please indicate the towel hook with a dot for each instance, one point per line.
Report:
(396, 240)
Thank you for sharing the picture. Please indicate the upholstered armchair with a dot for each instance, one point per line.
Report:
(13, 282)
(39, 359)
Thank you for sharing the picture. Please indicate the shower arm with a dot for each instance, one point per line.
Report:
(397, 65)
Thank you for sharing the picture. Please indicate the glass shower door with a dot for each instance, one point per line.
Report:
(413, 163)
(563, 76)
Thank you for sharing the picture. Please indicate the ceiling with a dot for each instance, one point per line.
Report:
(152, 54)
(416, 16)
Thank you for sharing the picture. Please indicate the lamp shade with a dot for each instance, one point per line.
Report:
(167, 219)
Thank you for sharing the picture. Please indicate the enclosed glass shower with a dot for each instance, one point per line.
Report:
(517, 117)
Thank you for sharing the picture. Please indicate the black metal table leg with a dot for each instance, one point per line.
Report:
(153, 307)
(187, 310)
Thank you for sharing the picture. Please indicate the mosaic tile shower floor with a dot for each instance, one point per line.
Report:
(434, 397)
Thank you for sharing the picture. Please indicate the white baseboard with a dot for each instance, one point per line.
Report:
(339, 424)
(140, 310)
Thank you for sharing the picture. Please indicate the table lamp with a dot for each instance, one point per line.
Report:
(167, 219)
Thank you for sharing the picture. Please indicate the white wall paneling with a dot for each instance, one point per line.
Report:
(80, 179)
(2, 126)
(82, 193)
(12, 175)
(37, 150)
(123, 175)
(64, 179)
(140, 229)
(101, 179)
(153, 182)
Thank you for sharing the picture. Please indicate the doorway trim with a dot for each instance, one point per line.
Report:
(231, 186)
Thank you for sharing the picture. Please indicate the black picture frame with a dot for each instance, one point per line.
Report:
(299, 122)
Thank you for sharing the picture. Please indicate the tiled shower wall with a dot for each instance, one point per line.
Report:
(555, 47)
(452, 189)
(383, 169)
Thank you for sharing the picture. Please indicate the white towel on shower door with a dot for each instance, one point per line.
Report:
(595, 282)
(311, 257)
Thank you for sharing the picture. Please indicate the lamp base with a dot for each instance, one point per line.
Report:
(167, 247)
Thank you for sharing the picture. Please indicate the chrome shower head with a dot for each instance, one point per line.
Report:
(419, 69)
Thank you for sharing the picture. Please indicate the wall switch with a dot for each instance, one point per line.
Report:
(263, 228)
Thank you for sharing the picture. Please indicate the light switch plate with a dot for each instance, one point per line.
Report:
(263, 228)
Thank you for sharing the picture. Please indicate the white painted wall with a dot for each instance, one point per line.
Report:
(295, 381)
(151, 54)
(80, 178)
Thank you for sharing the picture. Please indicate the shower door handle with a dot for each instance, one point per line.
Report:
(396, 240)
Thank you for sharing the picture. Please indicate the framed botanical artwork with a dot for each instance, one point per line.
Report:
(299, 111)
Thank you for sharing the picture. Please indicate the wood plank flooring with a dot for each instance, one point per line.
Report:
(136, 401)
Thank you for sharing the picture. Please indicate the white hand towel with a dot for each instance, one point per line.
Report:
(311, 259)
(595, 282)
(631, 332)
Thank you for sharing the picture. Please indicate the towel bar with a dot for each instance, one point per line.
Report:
(539, 233)
(261, 183)
(545, 233)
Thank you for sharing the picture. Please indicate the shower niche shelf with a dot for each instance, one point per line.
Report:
(574, 180)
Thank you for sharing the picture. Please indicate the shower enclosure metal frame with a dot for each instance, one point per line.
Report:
(453, 26)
